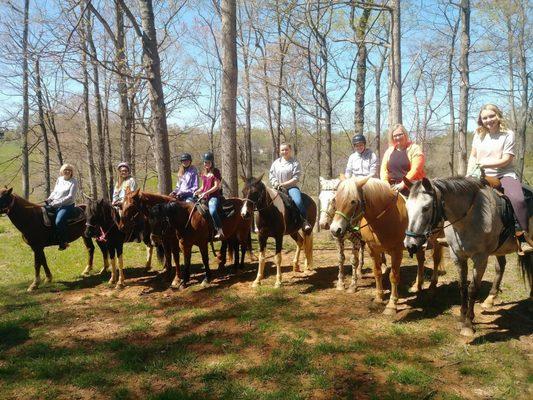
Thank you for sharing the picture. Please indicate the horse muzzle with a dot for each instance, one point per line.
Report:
(337, 229)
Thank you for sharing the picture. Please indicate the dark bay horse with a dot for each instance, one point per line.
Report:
(384, 230)
(135, 216)
(473, 231)
(28, 219)
(193, 229)
(102, 224)
(274, 221)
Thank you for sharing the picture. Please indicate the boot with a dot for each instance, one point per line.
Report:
(442, 241)
(524, 243)
(219, 234)
(306, 226)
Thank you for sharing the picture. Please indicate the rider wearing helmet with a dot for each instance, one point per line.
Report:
(211, 191)
(124, 181)
(363, 161)
(187, 180)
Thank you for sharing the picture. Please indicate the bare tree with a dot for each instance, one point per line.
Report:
(465, 85)
(395, 67)
(42, 125)
(25, 104)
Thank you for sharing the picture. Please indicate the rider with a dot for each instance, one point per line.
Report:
(124, 181)
(363, 161)
(211, 191)
(403, 159)
(62, 201)
(187, 180)
(493, 150)
(285, 174)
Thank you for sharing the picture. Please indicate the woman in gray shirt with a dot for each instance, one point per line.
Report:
(285, 174)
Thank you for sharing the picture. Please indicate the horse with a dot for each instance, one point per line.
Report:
(327, 211)
(193, 229)
(474, 230)
(28, 219)
(135, 208)
(274, 220)
(383, 210)
(102, 224)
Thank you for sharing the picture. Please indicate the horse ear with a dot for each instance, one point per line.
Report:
(426, 183)
(321, 181)
(259, 178)
(362, 182)
(9, 190)
(342, 177)
(407, 182)
(136, 193)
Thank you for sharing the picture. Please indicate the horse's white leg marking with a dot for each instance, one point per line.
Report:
(296, 259)
(260, 269)
(113, 278)
(120, 283)
(149, 252)
(277, 259)
(308, 248)
(106, 265)
(394, 277)
(340, 276)
(356, 266)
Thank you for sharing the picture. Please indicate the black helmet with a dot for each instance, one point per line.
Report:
(208, 157)
(185, 157)
(358, 139)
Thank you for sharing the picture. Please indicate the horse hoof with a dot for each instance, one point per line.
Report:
(488, 303)
(389, 311)
(340, 287)
(467, 332)
(414, 289)
(277, 285)
(102, 271)
(296, 268)
(351, 289)
(256, 284)
(120, 286)
(204, 283)
(32, 288)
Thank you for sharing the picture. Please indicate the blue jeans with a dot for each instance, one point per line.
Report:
(296, 196)
(62, 215)
(188, 198)
(213, 205)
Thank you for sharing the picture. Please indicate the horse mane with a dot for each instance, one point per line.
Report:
(24, 202)
(376, 192)
(151, 197)
(458, 184)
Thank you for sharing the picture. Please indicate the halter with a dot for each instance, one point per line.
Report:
(256, 203)
(7, 210)
(103, 234)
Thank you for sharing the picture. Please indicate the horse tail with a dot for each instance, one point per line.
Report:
(160, 253)
(526, 266)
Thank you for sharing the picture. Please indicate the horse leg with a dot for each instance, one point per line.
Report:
(222, 254)
(261, 264)
(47, 272)
(356, 266)
(38, 255)
(495, 289)
(308, 248)
(105, 257)
(90, 252)
(376, 258)
(177, 283)
(114, 277)
(205, 260)
(361, 258)
(244, 248)
(437, 259)
(299, 244)
(462, 272)
(149, 253)
(340, 276)
(277, 260)
(394, 277)
(236, 259)
(121, 280)
(419, 283)
(480, 264)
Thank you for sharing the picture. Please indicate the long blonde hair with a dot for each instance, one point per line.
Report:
(397, 126)
(481, 130)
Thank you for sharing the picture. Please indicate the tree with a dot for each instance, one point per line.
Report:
(42, 126)
(25, 104)
(395, 67)
(465, 85)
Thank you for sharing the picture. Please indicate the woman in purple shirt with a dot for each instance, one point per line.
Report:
(187, 180)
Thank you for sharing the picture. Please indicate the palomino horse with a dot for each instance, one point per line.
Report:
(135, 214)
(193, 229)
(473, 231)
(102, 224)
(274, 221)
(28, 219)
(386, 219)
(327, 212)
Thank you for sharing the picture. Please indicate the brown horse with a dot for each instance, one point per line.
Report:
(275, 221)
(135, 216)
(28, 219)
(385, 217)
(193, 229)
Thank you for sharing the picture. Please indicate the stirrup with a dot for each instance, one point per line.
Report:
(523, 244)
(443, 242)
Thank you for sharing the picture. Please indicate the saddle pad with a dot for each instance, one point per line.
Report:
(50, 216)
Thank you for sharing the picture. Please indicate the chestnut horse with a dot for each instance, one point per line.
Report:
(274, 221)
(135, 214)
(193, 229)
(386, 221)
(28, 219)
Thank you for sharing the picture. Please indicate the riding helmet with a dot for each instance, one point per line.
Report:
(208, 157)
(358, 139)
(185, 157)
(124, 164)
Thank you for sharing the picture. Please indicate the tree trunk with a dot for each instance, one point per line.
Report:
(360, 81)
(51, 122)
(105, 115)
(42, 125)
(86, 110)
(248, 116)
(377, 75)
(449, 71)
(25, 104)
(98, 111)
(465, 85)
(229, 97)
(395, 67)
(524, 99)
(124, 108)
(152, 65)
(329, 161)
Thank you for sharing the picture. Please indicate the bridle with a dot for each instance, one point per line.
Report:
(7, 210)
(263, 199)
(103, 233)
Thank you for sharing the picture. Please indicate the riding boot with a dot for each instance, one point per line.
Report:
(524, 243)
(219, 234)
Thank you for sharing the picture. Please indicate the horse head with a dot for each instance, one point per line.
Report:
(350, 206)
(99, 217)
(7, 199)
(253, 194)
(327, 201)
(131, 208)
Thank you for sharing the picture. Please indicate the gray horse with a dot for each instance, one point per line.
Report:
(472, 231)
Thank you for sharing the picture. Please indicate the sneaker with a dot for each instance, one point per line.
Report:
(63, 246)
(219, 235)
(306, 227)
(442, 241)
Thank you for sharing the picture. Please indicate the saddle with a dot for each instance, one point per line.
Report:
(295, 218)
(225, 209)
(49, 216)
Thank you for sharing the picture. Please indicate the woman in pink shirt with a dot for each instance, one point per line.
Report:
(493, 150)
(211, 191)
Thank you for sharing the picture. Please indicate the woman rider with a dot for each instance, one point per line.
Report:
(187, 180)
